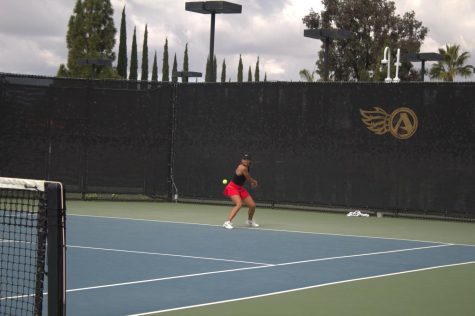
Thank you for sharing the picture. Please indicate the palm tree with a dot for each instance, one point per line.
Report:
(452, 65)
(307, 76)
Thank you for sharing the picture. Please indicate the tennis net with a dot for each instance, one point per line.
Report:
(32, 243)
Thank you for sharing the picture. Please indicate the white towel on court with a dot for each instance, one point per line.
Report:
(357, 213)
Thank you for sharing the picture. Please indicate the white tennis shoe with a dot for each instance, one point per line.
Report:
(228, 225)
(251, 223)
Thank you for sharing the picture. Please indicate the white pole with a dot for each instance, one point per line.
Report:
(397, 64)
(387, 60)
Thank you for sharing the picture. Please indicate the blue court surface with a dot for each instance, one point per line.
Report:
(127, 266)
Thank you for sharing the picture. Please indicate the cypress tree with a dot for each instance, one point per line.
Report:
(165, 66)
(210, 73)
(145, 55)
(185, 63)
(174, 70)
(155, 68)
(265, 77)
(133, 58)
(91, 34)
(207, 71)
(249, 75)
(223, 71)
(240, 70)
(215, 69)
(211, 70)
(122, 58)
(256, 72)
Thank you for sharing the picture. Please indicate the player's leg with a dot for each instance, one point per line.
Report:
(237, 206)
(252, 209)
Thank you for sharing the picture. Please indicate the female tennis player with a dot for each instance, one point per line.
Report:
(237, 193)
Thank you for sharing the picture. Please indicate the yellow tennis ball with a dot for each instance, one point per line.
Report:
(225, 181)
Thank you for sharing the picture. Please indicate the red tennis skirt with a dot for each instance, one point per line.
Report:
(234, 189)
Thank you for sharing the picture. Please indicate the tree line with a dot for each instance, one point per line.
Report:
(91, 34)
(374, 25)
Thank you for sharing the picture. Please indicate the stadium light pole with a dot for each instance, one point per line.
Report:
(326, 35)
(423, 57)
(212, 7)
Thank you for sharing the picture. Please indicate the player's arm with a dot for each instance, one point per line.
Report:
(246, 174)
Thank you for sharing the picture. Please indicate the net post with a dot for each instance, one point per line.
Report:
(56, 247)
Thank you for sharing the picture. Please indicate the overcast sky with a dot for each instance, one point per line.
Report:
(33, 33)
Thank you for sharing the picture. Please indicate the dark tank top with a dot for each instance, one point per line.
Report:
(239, 180)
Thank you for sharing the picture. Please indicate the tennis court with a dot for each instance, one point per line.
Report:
(147, 258)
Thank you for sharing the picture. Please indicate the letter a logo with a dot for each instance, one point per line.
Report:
(403, 123)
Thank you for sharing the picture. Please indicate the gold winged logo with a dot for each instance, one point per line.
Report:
(402, 123)
(376, 121)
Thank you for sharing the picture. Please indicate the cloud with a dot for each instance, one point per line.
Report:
(449, 22)
(43, 58)
(269, 32)
(43, 18)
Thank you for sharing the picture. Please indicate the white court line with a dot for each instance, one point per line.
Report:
(18, 297)
(16, 241)
(361, 255)
(163, 279)
(169, 255)
(6, 240)
(142, 220)
(268, 229)
(302, 288)
(247, 268)
(251, 262)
